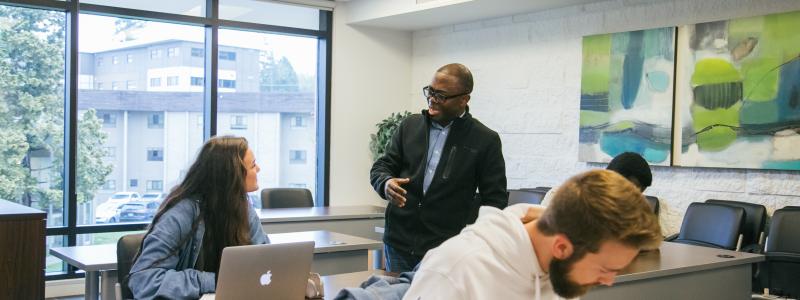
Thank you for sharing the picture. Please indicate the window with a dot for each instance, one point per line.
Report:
(298, 185)
(227, 55)
(173, 52)
(99, 61)
(298, 122)
(238, 122)
(134, 183)
(197, 81)
(297, 156)
(114, 86)
(130, 58)
(272, 13)
(115, 60)
(109, 185)
(155, 82)
(111, 152)
(198, 52)
(155, 120)
(130, 85)
(99, 86)
(155, 185)
(109, 119)
(155, 154)
(155, 53)
(172, 80)
(229, 84)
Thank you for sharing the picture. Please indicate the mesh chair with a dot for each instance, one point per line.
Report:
(525, 196)
(755, 217)
(127, 246)
(653, 201)
(711, 225)
(286, 197)
(781, 271)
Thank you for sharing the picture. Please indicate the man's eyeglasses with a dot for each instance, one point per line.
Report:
(439, 96)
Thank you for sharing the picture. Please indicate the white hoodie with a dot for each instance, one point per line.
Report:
(491, 259)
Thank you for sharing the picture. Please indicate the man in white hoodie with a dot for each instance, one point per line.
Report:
(595, 226)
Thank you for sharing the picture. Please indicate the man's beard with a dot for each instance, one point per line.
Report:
(559, 278)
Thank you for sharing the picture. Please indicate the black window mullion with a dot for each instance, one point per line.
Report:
(324, 47)
(71, 125)
(211, 74)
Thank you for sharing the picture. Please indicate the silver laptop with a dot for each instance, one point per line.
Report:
(272, 271)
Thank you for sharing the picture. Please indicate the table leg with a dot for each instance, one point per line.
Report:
(107, 281)
(92, 285)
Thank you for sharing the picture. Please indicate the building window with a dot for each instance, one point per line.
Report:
(198, 52)
(227, 55)
(110, 185)
(155, 82)
(130, 85)
(155, 53)
(99, 85)
(115, 86)
(130, 58)
(197, 81)
(155, 154)
(298, 122)
(238, 122)
(173, 51)
(155, 185)
(109, 119)
(110, 151)
(229, 84)
(155, 120)
(99, 61)
(297, 156)
(298, 185)
(115, 60)
(134, 182)
(172, 80)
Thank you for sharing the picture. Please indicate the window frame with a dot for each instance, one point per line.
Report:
(69, 230)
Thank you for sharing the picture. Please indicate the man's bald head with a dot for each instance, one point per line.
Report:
(461, 73)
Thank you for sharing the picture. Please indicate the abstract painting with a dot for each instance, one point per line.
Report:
(627, 95)
(738, 93)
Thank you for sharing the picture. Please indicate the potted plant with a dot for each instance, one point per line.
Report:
(380, 140)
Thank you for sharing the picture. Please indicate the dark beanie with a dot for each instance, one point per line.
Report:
(630, 164)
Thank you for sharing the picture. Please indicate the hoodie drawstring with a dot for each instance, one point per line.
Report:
(538, 288)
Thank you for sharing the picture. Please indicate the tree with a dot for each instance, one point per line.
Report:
(124, 28)
(32, 113)
(278, 77)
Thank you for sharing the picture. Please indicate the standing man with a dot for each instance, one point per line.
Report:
(432, 168)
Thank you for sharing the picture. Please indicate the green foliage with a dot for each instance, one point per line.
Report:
(32, 113)
(278, 77)
(379, 141)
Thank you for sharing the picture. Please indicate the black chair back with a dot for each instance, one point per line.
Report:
(653, 201)
(286, 197)
(711, 225)
(127, 247)
(782, 268)
(755, 217)
(525, 196)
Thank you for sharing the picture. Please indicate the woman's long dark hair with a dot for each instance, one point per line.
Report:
(217, 180)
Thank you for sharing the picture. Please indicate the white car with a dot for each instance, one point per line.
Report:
(107, 211)
(158, 197)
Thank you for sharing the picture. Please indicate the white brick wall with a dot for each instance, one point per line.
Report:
(527, 87)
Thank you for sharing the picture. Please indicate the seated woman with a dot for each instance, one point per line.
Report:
(208, 211)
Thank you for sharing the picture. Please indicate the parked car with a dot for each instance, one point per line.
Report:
(106, 212)
(158, 197)
(137, 211)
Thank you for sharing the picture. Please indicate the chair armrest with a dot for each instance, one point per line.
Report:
(752, 248)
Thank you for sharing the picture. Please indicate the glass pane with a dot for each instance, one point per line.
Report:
(268, 95)
(32, 109)
(138, 116)
(263, 12)
(52, 264)
(195, 8)
(102, 238)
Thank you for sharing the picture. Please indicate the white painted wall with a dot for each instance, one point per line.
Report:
(527, 87)
(371, 79)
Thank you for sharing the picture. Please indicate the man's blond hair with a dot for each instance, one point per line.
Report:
(598, 206)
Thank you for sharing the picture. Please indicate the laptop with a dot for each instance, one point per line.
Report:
(271, 271)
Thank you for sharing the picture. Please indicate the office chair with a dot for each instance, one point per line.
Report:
(286, 197)
(755, 218)
(653, 201)
(781, 271)
(525, 196)
(127, 247)
(711, 225)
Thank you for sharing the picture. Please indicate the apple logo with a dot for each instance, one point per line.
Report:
(266, 278)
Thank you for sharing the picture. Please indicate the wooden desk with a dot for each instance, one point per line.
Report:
(679, 271)
(22, 252)
(333, 253)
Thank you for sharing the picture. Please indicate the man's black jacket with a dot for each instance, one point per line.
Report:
(472, 158)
